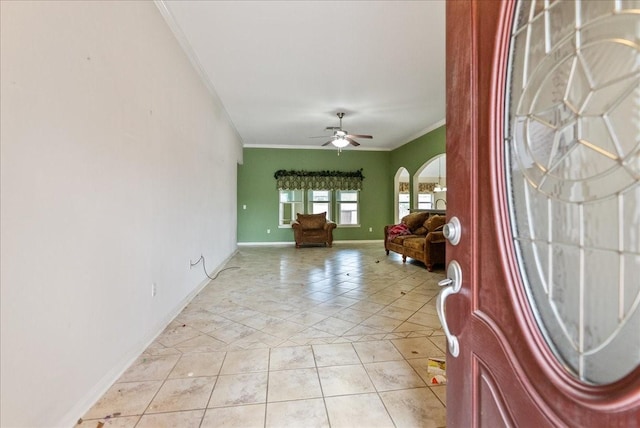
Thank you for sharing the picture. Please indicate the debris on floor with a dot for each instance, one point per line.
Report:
(436, 368)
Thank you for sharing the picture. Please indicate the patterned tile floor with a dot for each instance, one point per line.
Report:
(310, 337)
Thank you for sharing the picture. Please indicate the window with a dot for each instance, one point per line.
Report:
(341, 206)
(347, 206)
(291, 202)
(403, 204)
(319, 202)
(425, 201)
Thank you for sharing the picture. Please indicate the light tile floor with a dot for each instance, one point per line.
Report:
(310, 337)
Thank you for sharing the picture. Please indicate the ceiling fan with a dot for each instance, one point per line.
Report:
(341, 138)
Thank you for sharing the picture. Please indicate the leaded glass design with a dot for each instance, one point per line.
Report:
(572, 134)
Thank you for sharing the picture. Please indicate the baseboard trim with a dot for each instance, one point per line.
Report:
(258, 244)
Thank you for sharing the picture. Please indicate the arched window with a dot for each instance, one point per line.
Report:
(402, 194)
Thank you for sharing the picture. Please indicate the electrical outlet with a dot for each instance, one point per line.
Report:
(153, 289)
(244, 207)
(268, 230)
(371, 229)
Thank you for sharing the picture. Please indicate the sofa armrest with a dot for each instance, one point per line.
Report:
(435, 238)
(296, 224)
(329, 225)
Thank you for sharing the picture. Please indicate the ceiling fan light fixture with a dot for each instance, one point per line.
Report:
(340, 142)
(341, 138)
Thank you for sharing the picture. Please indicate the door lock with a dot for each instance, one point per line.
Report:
(452, 230)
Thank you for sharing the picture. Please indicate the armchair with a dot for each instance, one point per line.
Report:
(313, 229)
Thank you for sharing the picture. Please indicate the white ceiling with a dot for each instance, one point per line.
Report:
(283, 69)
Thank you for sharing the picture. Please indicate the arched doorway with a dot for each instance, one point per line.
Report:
(430, 184)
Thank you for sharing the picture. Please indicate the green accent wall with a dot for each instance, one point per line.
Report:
(257, 186)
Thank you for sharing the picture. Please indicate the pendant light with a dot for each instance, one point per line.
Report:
(439, 188)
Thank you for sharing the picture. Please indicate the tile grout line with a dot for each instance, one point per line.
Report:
(206, 407)
(266, 394)
(324, 400)
(374, 385)
(156, 393)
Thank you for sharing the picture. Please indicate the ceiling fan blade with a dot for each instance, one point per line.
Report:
(319, 136)
(360, 136)
(352, 141)
(327, 143)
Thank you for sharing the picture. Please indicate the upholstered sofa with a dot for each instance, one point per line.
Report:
(419, 236)
(313, 229)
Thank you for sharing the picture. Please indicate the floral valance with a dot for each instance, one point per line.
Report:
(426, 187)
(325, 180)
(403, 187)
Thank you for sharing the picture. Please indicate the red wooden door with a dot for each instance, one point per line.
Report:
(506, 374)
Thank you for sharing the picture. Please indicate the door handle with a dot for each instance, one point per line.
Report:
(450, 285)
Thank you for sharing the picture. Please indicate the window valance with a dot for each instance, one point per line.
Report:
(426, 187)
(319, 180)
(403, 187)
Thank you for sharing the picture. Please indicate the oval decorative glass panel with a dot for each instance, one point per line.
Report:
(572, 135)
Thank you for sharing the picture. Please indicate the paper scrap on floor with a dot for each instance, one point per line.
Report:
(436, 369)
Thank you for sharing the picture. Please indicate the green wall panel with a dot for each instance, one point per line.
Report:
(257, 190)
(257, 187)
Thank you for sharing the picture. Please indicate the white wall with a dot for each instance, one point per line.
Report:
(117, 169)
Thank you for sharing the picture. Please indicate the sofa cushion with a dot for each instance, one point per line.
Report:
(414, 243)
(312, 221)
(434, 222)
(400, 239)
(414, 220)
(420, 231)
(315, 234)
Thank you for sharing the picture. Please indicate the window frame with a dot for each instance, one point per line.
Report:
(339, 202)
(404, 207)
(293, 203)
(431, 198)
(310, 202)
